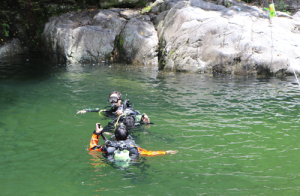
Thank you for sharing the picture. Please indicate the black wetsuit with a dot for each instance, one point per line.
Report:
(111, 111)
(128, 112)
(110, 147)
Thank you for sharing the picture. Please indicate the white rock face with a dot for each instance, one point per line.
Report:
(193, 35)
(236, 40)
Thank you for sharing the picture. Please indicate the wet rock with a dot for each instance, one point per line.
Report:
(13, 48)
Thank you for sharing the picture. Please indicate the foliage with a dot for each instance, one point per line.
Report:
(32, 15)
(121, 44)
(171, 54)
(282, 7)
(146, 9)
(227, 3)
(5, 29)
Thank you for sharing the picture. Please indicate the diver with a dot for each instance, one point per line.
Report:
(118, 108)
(115, 99)
(123, 149)
(130, 118)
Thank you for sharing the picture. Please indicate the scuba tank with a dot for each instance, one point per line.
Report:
(121, 155)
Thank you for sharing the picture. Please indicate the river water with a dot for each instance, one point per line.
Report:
(234, 135)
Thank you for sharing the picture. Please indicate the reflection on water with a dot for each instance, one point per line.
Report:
(235, 135)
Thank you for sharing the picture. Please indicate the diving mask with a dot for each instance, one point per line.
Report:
(113, 100)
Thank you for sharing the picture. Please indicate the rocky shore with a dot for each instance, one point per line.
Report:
(178, 35)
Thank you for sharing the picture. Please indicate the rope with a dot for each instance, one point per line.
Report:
(100, 112)
(296, 77)
(117, 123)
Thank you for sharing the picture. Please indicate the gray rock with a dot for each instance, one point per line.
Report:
(128, 14)
(100, 36)
(206, 5)
(14, 47)
(160, 6)
(108, 19)
(139, 43)
(155, 7)
(82, 37)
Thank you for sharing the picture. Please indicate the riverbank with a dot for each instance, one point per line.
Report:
(193, 36)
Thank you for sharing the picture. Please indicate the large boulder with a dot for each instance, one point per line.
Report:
(139, 43)
(102, 35)
(201, 37)
(82, 37)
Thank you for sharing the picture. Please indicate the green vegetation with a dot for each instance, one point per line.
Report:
(171, 54)
(146, 9)
(25, 19)
(5, 29)
(282, 7)
(228, 4)
(121, 44)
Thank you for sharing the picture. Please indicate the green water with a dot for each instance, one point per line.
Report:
(234, 135)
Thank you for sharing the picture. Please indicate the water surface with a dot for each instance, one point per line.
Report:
(234, 135)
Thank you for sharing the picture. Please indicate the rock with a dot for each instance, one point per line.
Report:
(237, 40)
(14, 47)
(194, 35)
(138, 43)
(160, 6)
(82, 37)
(109, 19)
(289, 5)
(297, 14)
(100, 36)
(206, 5)
(128, 14)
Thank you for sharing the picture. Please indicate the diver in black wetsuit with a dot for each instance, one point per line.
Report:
(123, 149)
(130, 118)
(115, 98)
(121, 109)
